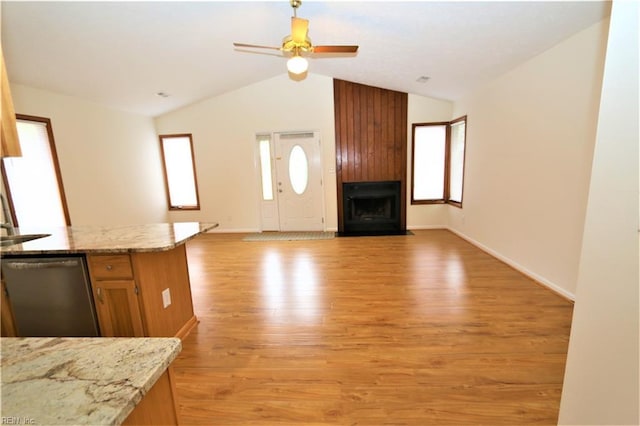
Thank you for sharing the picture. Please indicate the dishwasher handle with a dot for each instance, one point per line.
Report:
(44, 265)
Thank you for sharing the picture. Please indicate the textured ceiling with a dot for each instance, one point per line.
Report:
(120, 54)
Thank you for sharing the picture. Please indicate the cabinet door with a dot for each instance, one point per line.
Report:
(118, 308)
(8, 130)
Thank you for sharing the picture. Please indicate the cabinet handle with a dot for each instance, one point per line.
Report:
(100, 295)
(109, 267)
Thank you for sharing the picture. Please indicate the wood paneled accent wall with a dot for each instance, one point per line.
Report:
(371, 138)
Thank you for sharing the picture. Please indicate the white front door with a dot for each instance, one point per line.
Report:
(299, 181)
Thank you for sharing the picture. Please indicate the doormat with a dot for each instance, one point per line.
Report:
(289, 236)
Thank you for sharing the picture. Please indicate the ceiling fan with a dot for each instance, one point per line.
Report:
(297, 44)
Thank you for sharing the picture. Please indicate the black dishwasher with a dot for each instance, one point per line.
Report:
(50, 296)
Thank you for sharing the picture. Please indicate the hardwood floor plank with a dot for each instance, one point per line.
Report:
(402, 330)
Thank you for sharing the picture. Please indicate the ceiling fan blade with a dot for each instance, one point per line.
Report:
(255, 46)
(335, 49)
(299, 29)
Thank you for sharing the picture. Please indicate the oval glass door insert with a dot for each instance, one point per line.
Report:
(298, 169)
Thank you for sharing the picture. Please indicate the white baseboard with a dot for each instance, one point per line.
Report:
(420, 227)
(515, 265)
(234, 230)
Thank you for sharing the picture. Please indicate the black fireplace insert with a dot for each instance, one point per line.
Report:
(371, 208)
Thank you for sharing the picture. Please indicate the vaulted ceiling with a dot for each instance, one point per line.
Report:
(121, 54)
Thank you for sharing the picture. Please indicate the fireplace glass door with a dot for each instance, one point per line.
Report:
(371, 208)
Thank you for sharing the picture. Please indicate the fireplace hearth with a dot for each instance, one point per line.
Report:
(371, 208)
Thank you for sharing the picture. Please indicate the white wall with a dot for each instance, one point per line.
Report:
(530, 138)
(109, 160)
(224, 129)
(425, 110)
(601, 377)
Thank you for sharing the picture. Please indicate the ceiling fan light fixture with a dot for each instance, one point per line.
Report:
(297, 64)
(297, 43)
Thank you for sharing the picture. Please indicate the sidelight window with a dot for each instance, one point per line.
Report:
(438, 162)
(179, 172)
(264, 148)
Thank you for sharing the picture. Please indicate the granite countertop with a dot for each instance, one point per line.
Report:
(80, 381)
(107, 239)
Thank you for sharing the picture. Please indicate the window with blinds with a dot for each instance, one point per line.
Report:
(34, 189)
(438, 162)
(457, 138)
(429, 155)
(179, 172)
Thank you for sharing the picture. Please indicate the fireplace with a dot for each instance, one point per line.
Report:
(371, 208)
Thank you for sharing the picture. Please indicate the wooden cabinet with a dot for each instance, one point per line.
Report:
(110, 267)
(158, 406)
(10, 142)
(118, 308)
(115, 295)
(128, 293)
(7, 323)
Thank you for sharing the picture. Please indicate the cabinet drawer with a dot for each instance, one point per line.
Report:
(109, 267)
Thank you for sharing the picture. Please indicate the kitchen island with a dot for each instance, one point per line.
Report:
(138, 274)
(107, 239)
(88, 381)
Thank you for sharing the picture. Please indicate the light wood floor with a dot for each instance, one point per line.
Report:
(423, 329)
